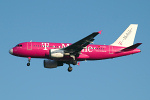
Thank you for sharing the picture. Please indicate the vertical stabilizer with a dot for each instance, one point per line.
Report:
(127, 37)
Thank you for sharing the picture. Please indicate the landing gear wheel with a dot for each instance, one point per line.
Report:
(29, 58)
(28, 64)
(70, 69)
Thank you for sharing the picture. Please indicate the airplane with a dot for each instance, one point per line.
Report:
(57, 54)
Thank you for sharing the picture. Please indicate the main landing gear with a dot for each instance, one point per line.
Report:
(29, 59)
(69, 68)
(74, 62)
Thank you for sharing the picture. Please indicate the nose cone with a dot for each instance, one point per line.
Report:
(11, 51)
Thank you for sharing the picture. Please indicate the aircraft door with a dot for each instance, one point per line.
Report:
(110, 49)
(29, 46)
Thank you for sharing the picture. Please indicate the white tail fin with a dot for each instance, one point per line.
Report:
(127, 37)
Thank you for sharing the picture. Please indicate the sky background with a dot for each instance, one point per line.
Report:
(67, 21)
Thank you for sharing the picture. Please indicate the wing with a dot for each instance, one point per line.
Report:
(75, 48)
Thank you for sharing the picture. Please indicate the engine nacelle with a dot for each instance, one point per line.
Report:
(52, 63)
(56, 53)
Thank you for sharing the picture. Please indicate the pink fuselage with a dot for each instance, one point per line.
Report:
(91, 52)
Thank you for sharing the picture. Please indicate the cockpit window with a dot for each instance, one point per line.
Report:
(19, 45)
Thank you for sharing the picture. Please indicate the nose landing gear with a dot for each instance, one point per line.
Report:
(28, 64)
(29, 59)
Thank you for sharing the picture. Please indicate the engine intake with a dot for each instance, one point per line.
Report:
(56, 53)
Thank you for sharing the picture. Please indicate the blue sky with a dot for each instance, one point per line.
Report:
(124, 78)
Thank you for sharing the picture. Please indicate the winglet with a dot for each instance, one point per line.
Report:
(99, 32)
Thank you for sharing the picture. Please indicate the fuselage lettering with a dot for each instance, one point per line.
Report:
(45, 45)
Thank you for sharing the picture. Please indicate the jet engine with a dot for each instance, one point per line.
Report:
(52, 63)
(56, 53)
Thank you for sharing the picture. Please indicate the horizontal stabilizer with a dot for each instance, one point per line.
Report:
(131, 47)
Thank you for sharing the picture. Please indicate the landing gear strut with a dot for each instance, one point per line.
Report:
(69, 68)
(74, 62)
(29, 58)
